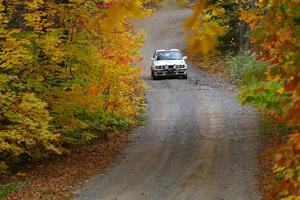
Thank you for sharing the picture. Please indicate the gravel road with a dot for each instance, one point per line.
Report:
(199, 142)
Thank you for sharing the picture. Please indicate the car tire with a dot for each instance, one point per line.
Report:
(184, 77)
(153, 76)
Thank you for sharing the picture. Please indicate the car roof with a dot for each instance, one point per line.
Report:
(160, 50)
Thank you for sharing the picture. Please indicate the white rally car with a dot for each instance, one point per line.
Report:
(168, 63)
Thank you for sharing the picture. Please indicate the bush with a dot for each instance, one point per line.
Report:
(10, 188)
(238, 66)
(24, 125)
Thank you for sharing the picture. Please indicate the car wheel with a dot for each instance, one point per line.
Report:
(153, 76)
(184, 77)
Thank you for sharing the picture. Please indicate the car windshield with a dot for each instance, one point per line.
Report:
(168, 55)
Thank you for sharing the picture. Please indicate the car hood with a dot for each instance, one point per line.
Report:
(169, 62)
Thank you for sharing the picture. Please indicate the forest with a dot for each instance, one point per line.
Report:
(64, 78)
(69, 72)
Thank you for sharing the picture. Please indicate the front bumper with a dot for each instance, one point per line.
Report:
(174, 72)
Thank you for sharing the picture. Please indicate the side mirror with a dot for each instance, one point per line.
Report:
(184, 57)
(151, 59)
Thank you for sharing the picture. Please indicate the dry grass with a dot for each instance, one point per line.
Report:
(212, 63)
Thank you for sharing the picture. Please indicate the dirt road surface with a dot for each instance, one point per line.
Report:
(198, 144)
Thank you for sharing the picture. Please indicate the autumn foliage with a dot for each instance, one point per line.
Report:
(274, 31)
(67, 74)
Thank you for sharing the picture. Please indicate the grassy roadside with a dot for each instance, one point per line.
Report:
(213, 63)
(59, 177)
